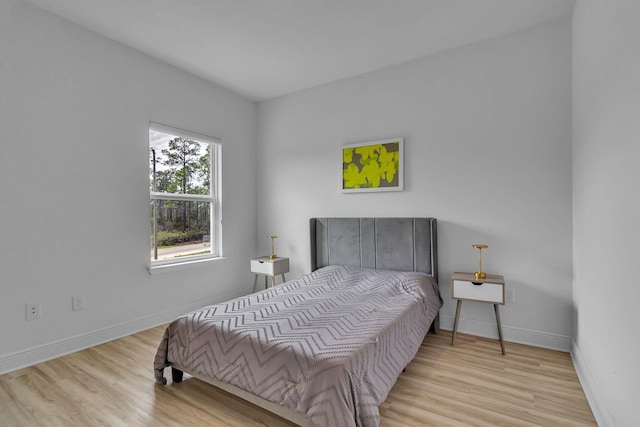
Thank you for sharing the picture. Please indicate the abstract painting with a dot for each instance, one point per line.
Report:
(373, 166)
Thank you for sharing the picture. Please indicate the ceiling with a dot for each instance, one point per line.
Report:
(262, 49)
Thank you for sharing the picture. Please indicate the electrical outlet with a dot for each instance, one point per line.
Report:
(510, 296)
(77, 303)
(33, 311)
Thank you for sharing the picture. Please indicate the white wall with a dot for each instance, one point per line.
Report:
(74, 215)
(606, 151)
(487, 132)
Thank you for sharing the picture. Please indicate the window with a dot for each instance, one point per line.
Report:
(184, 184)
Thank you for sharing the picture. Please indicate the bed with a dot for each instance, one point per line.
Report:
(326, 348)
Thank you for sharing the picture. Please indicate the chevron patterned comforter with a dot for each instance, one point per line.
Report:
(329, 345)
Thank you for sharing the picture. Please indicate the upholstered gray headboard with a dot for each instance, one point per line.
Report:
(406, 244)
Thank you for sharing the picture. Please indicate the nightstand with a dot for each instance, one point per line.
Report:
(269, 267)
(490, 289)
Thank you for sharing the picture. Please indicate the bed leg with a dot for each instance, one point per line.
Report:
(176, 375)
(435, 325)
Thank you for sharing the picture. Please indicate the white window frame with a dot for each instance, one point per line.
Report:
(214, 198)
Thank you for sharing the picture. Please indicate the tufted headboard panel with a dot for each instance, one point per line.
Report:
(406, 244)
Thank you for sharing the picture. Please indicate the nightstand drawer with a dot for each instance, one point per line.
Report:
(489, 292)
(262, 267)
(270, 267)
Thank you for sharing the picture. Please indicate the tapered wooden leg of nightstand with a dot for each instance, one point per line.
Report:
(499, 328)
(273, 281)
(266, 284)
(283, 279)
(455, 322)
(255, 282)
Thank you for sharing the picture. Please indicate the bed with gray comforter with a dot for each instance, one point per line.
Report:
(328, 346)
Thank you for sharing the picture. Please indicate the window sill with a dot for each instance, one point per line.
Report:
(183, 265)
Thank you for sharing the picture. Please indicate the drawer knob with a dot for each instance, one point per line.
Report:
(477, 283)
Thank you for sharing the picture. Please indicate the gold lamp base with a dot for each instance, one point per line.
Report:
(480, 274)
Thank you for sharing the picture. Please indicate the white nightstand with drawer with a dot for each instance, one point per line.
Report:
(269, 267)
(490, 289)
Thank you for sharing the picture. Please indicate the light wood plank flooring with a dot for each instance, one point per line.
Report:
(470, 384)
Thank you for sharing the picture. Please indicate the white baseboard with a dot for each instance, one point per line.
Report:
(69, 345)
(52, 350)
(510, 334)
(600, 413)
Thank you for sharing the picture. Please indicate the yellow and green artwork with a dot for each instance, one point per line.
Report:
(372, 166)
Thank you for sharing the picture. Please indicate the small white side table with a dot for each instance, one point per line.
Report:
(490, 289)
(269, 267)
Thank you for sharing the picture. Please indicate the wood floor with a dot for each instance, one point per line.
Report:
(470, 384)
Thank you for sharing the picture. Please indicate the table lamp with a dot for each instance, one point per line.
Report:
(273, 253)
(480, 274)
